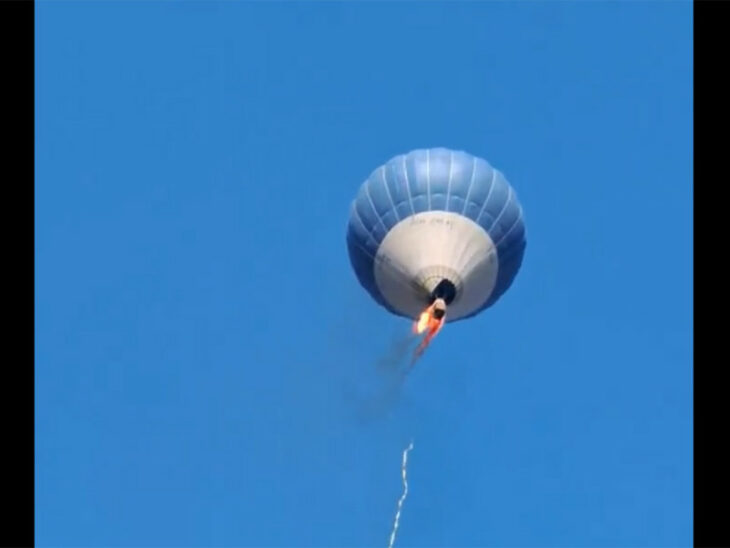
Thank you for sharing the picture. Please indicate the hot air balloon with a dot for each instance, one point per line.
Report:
(434, 227)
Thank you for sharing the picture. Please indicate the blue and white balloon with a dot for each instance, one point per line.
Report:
(436, 223)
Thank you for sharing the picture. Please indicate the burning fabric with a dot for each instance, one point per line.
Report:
(431, 321)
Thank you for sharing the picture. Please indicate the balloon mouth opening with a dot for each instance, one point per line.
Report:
(445, 290)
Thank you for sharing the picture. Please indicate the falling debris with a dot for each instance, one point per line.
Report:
(403, 496)
(431, 321)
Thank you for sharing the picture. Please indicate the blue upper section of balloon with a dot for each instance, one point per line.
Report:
(436, 179)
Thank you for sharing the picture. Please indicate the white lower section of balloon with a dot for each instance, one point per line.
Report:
(429, 246)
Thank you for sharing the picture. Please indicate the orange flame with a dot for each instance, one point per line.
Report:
(422, 323)
(426, 322)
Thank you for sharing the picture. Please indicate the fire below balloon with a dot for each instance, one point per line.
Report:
(429, 323)
(422, 323)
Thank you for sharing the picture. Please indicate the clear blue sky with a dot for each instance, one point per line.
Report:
(205, 357)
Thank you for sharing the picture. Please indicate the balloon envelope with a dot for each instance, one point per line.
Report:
(436, 222)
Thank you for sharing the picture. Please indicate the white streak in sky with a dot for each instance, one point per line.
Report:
(403, 496)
